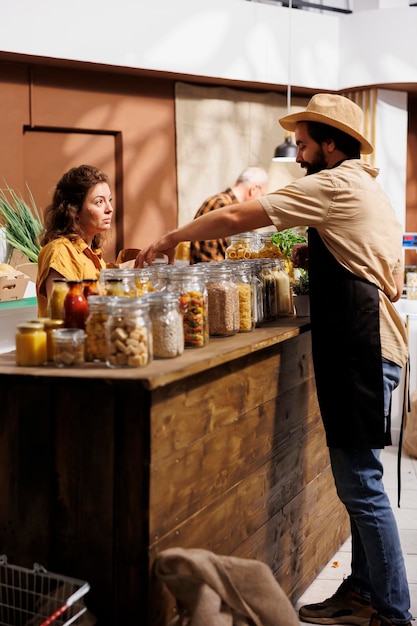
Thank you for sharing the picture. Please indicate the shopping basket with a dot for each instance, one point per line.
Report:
(36, 597)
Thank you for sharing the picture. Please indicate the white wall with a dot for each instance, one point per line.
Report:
(232, 39)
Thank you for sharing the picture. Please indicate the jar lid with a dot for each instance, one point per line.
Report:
(50, 324)
(160, 297)
(30, 326)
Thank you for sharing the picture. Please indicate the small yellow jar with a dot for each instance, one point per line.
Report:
(31, 344)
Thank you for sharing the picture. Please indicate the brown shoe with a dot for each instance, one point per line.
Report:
(344, 607)
(380, 620)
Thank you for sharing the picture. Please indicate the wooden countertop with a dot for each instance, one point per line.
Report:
(161, 372)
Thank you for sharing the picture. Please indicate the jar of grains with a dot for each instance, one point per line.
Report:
(167, 324)
(269, 287)
(189, 283)
(222, 300)
(284, 297)
(95, 340)
(128, 333)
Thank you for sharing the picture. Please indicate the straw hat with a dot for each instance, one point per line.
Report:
(334, 110)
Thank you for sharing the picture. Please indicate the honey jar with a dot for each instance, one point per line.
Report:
(31, 344)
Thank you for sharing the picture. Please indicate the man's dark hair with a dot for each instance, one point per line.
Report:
(344, 142)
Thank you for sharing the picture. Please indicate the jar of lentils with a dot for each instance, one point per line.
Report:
(128, 333)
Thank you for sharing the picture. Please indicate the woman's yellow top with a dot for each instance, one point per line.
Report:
(73, 260)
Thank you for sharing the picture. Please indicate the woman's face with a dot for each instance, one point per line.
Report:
(96, 212)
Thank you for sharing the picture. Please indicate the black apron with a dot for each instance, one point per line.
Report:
(346, 352)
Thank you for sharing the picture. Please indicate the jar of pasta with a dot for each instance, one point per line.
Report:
(242, 246)
(118, 282)
(222, 300)
(189, 283)
(95, 340)
(166, 322)
(243, 279)
(128, 333)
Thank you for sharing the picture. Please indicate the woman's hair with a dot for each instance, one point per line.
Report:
(61, 216)
(344, 142)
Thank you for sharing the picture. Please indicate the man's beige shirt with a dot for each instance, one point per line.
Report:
(357, 223)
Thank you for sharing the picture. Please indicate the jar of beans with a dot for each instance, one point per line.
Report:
(128, 333)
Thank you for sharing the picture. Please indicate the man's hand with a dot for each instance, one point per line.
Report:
(158, 247)
(299, 255)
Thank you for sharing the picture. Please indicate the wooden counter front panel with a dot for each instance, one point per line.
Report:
(240, 466)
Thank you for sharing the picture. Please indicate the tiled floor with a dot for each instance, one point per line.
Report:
(330, 578)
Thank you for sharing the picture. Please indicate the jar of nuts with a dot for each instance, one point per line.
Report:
(95, 341)
(68, 347)
(128, 333)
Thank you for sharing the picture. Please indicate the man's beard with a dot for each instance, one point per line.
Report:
(318, 164)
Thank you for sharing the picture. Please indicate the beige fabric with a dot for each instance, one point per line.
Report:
(213, 590)
(356, 222)
(410, 429)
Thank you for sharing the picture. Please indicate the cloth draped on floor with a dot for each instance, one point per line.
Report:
(215, 590)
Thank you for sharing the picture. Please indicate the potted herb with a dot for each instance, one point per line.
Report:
(301, 291)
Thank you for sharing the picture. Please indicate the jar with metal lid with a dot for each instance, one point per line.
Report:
(222, 300)
(68, 347)
(30, 344)
(95, 340)
(189, 282)
(167, 324)
(128, 333)
(55, 309)
(90, 286)
(75, 305)
(243, 279)
(50, 325)
(242, 246)
(285, 305)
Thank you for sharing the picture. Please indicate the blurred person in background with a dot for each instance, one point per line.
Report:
(250, 184)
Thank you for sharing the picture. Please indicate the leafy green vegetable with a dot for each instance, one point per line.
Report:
(22, 222)
(301, 286)
(286, 239)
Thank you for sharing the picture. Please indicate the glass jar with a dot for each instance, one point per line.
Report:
(258, 291)
(268, 249)
(144, 278)
(30, 344)
(242, 277)
(167, 325)
(189, 284)
(222, 301)
(75, 305)
(56, 301)
(128, 333)
(118, 282)
(90, 287)
(269, 288)
(285, 304)
(68, 347)
(242, 246)
(95, 340)
(50, 325)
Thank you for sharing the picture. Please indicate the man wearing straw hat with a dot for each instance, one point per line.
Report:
(359, 341)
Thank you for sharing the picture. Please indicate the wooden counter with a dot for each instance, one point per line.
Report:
(221, 448)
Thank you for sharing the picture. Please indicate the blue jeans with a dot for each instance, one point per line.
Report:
(378, 571)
